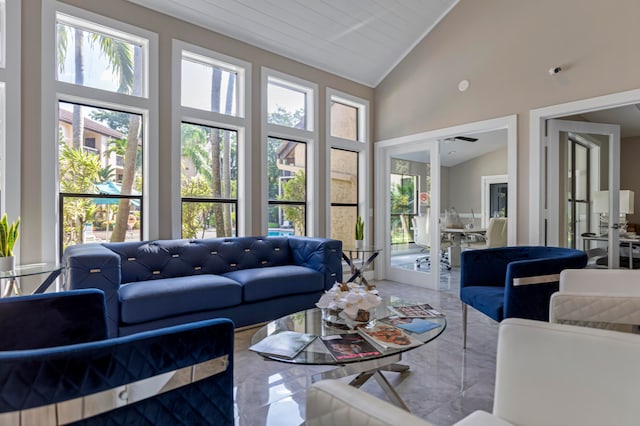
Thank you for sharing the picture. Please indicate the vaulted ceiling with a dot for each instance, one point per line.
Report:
(362, 40)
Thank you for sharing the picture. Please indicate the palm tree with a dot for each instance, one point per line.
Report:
(125, 63)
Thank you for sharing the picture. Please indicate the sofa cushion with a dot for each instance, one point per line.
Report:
(151, 300)
(277, 281)
(487, 299)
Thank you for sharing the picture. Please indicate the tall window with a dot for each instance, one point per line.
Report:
(210, 148)
(290, 139)
(100, 149)
(348, 149)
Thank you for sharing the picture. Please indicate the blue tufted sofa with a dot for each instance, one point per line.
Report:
(154, 284)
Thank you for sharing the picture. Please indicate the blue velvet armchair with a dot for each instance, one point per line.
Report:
(57, 366)
(516, 282)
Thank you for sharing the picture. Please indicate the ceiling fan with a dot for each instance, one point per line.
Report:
(461, 138)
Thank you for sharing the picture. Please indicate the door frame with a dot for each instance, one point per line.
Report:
(383, 150)
(537, 126)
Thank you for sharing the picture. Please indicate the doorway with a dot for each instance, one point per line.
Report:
(441, 147)
(620, 109)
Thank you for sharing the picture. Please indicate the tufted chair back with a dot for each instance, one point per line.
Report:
(148, 260)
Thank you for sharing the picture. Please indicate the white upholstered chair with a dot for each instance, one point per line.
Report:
(600, 298)
(421, 239)
(546, 374)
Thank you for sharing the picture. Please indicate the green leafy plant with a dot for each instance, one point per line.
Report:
(359, 229)
(8, 236)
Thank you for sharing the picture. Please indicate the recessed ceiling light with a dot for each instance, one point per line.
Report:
(463, 85)
(451, 152)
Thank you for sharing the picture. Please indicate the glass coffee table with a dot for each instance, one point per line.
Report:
(311, 322)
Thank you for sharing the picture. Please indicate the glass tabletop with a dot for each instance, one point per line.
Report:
(31, 269)
(365, 249)
(311, 322)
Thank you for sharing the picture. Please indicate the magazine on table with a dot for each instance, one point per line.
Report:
(349, 346)
(285, 344)
(389, 336)
(423, 310)
(414, 325)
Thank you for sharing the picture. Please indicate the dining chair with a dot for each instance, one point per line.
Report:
(495, 236)
(421, 239)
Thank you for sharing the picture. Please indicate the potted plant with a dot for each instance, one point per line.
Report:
(359, 232)
(8, 237)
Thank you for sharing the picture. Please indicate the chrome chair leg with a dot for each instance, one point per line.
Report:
(464, 325)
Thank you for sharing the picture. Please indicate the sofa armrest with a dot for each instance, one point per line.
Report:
(331, 402)
(95, 266)
(322, 254)
(190, 362)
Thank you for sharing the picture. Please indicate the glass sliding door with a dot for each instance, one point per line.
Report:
(412, 246)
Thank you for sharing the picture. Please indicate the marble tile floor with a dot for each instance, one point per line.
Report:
(444, 384)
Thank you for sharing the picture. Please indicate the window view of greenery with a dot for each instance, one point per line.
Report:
(209, 181)
(344, 121)
(286, 105)
(99, 150)
(344, 194)
(207, 86)
(286, 165)
(94, 59)
(99, 161)
(403, 207)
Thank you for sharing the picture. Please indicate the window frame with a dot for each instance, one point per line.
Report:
(54, 91)
(240, 123)
(309, 136)
(10, 132)
(362, 146)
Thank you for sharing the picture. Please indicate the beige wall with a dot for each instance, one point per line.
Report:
(505, 49)
(36, 216)
(465, 183)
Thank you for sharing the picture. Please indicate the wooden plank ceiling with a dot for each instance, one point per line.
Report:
(362, 40)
